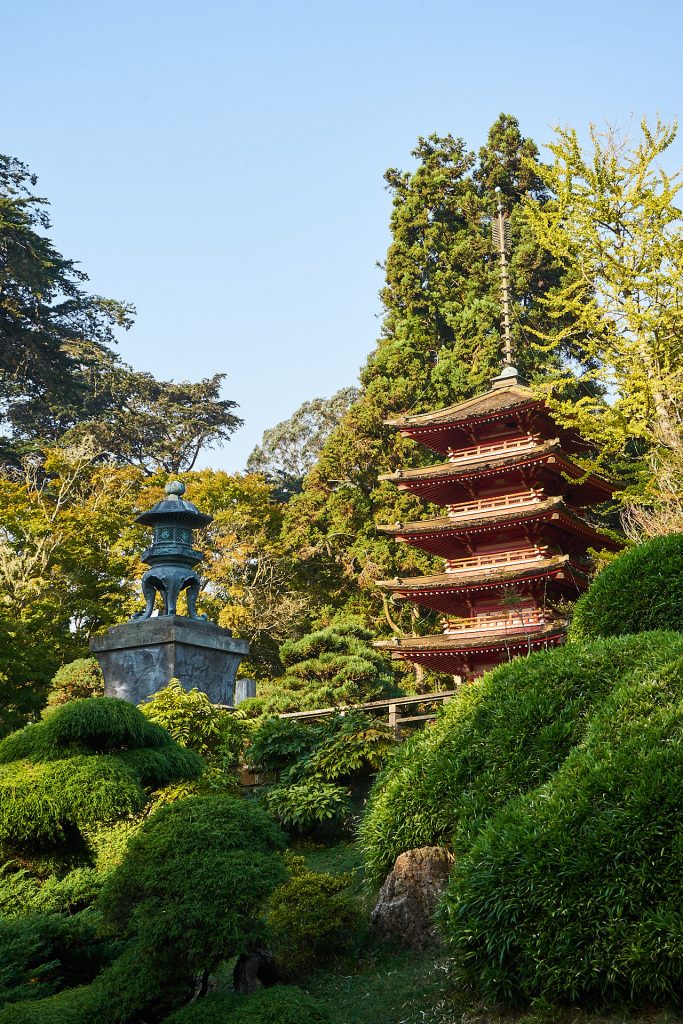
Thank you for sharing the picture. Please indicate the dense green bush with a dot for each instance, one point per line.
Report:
(312, 918)
(278, 742)
(573, 891)
(313, 759)
(90, 762)
(192, 880)
(301, 806)
(186, 895)
(640, 590)
(332, 748)
(331, 667)
(347, 744)
(502, 736)
(101, 725)
(196, 723)
(282, 1004)
(80, 678)
(41, 953)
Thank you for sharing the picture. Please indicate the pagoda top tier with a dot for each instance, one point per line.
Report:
(509, 403)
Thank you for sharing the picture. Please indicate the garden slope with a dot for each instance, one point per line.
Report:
(501, 737)
(573, 892)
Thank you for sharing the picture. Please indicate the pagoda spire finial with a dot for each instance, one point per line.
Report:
(500, 229)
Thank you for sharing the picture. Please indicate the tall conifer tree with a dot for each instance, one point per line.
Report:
(440, 343)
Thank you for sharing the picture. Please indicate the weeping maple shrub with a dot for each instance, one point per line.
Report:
(640, 590)
(90, 762)
(500, 737)
(572, 892)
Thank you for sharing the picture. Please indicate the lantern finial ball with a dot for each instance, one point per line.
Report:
(175, 487)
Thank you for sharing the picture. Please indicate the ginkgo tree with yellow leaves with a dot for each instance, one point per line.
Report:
(615, 225)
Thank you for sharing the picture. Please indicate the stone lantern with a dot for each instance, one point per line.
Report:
(139, 657)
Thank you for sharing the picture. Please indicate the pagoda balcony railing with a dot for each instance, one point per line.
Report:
(499, 622)
(485, 506)
(495, 559)
(478, 451)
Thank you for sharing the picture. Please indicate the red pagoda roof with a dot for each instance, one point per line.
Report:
(486, 406)
(445, 652)
(451, 428)
(437, 482)
(439, 535)
(438, 591)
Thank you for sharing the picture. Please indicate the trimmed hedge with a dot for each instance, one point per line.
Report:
(502, 736)
(573, 891)
(640, 590)
(193, 878)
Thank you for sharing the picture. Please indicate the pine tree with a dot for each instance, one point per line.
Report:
(439, 344)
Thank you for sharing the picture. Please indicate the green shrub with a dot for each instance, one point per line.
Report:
(99, 725)
(331, 667)
(573, 891)
(347, 745)
(251, 707)
(21, 892)
(186, 895)
(640, 590)
(41, 953)
(18, 889)
(42, 804)
(282, 1004)
(501, 736)
(80, 678)
(76, 891)
(88, 764)
(197, 724)
(312, 919)
(301, 806)
(193, 879)
(278, 742)
(188, 715)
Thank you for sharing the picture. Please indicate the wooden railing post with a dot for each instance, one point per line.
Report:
(394, 720)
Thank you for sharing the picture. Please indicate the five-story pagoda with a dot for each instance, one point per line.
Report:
(513, 537)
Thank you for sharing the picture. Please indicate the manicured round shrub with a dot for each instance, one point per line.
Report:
(282, 1004)
(80, 678)
(640, 590)
(90, 763)
(312, 919)
(99, 725)
(573, 891)
(193, 879)
(500, 737)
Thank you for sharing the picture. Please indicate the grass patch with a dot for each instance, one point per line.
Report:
(391, 985)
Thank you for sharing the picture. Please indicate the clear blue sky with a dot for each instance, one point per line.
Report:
(219, 164)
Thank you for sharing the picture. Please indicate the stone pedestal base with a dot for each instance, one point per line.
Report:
(139, 658)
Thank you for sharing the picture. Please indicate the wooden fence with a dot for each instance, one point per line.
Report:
(390, 710)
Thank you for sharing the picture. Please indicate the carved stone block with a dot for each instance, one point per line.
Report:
(138, 658)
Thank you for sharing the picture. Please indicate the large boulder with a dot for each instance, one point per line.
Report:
(407, 900)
